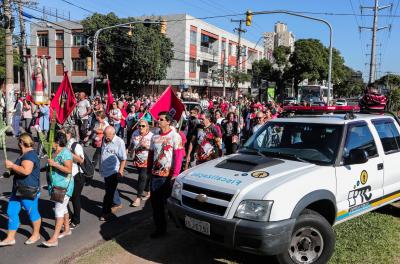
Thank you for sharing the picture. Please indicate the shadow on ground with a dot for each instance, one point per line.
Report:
(178, 246)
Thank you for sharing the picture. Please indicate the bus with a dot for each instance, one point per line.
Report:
(314, 94)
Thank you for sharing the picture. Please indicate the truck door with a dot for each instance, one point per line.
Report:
(358, 184)
(389, 135)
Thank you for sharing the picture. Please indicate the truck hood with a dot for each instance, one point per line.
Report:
(238, 171)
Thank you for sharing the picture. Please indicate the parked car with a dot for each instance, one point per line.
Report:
(342, 102)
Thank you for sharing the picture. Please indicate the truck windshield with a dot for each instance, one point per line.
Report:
(315, 143)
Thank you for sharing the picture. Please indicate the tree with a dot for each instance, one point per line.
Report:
(351, 84)
(280, 70)
(392, 81)
(17, 61)
(130, 61)
(262, 70)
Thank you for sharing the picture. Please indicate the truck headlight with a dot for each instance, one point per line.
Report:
(177, 190)
(256, 210)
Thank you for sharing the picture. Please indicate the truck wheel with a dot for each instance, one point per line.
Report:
(312, 241)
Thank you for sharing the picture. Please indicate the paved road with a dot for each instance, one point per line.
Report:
(91, 231)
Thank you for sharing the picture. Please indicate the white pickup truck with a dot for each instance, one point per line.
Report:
(290, 183)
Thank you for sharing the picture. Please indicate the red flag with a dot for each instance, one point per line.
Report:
(168, 102)
(64, 100)
(110, 99)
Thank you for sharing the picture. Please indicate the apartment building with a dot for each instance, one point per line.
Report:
(280, 37)
(62, 43)
(200, 50)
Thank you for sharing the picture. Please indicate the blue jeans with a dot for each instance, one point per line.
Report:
(14, 207)
(15, 124)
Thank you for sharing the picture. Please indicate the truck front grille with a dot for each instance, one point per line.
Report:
(205, 206)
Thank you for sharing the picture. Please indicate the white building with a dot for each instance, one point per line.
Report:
(200, 49)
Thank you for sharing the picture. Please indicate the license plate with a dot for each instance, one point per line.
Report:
(197, 225)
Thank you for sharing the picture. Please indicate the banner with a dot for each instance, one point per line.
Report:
(168, 102)
(110, 98)
(64, 100)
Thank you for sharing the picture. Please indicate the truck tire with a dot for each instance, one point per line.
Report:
(312, 241)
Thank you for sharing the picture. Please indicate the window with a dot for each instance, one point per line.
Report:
(59, 61)
(43, 40)
(59, 36)
(223, 46)
(317, 143)
(388, 134)
(78, 64)
(205, 41)
(193, 37)
(79, 40)
(230, 49)
(192, 65)
(359, 137)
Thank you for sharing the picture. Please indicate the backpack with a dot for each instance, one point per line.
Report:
(87, 166)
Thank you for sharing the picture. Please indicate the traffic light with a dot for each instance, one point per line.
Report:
(89, 63)
(249, 16)
(163, 26)
(130, 32)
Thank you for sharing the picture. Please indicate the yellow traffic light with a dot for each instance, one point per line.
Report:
(89, 63)
(163, 26)
(130, 32)
(249, 15)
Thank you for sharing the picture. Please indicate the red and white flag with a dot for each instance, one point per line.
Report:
(110, 98)
(168, 102)
(64, 100)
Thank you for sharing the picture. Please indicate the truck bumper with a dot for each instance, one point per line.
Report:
(263, 238)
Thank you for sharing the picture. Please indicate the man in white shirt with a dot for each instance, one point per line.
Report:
(260, 121)
(84, 110)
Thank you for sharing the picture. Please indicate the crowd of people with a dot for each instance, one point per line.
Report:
(160, 149)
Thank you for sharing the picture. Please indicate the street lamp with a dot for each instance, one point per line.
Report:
(96, 37)
(330, 39)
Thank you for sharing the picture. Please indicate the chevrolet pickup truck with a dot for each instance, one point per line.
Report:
(290, 183)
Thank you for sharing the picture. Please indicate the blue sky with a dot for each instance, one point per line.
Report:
(346, 35)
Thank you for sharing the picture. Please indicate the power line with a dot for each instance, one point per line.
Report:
(80, 7)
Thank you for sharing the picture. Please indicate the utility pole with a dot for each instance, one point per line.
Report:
(23, 45)
(240, 30)
(9, 26)
(372, 65)
(223, 77)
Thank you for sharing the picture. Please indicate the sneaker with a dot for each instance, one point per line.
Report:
(73, 226)
(136, 203)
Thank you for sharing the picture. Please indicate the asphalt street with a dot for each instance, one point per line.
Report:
(88, 234)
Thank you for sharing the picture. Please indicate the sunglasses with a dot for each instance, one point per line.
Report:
(142, 125)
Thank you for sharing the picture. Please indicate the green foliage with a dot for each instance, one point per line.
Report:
(351, 84)
(130, 61)
(394, 99)
(230, 76)
(262, 70)
(371, 238)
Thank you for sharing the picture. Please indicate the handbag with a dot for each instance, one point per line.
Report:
(26, 192)
(58, 194)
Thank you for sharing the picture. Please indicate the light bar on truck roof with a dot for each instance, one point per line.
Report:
(339, 109)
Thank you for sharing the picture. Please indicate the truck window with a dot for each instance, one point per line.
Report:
(388, 134)
(359, 137)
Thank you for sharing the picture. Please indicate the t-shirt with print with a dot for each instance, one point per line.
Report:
(207, 148)
(83, 108)
(117, 113)
(141, 146)
(163, 146)
(59, 178)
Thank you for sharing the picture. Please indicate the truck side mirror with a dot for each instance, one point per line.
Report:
(356, 156)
